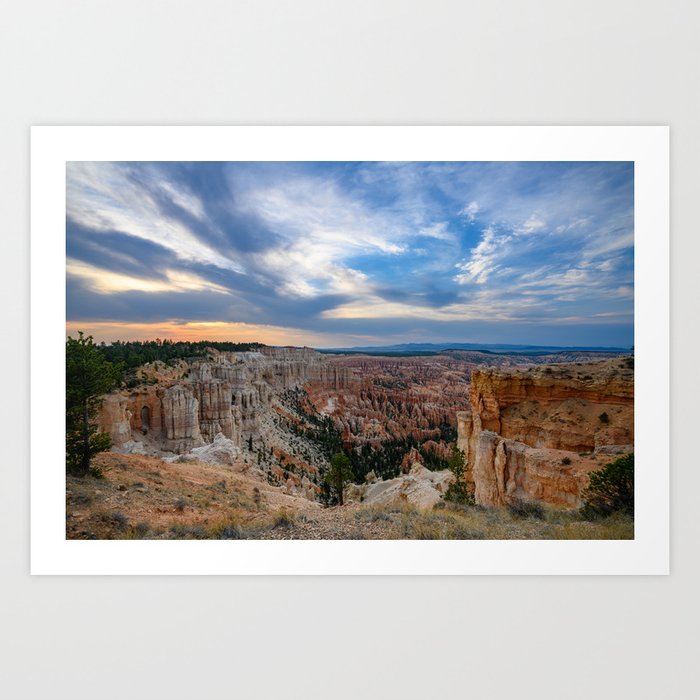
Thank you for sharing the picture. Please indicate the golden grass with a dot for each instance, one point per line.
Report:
(499, 524)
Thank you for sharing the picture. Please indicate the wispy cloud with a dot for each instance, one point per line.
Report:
(106, 282)
(470, 211)
(483, 259)
(103, 197)
(533, 224)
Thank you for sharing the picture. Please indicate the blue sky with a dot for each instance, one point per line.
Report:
(352, 253)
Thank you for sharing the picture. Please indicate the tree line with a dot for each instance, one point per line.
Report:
(134, 353)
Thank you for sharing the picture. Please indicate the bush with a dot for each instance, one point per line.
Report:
(458, 492)
(118, 520)
(188, 532)
(372, 516)
(141, 530)
(604, 417)
(566, 461)
(230, 532)
(611, 489)
(521, 508)
(283, 519)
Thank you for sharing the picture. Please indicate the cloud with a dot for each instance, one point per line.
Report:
(105, 281)
(438, 231)
(380, 247)
(470, 211)
(483, 260)
(103, 197)
(533, 224)
(319, 229)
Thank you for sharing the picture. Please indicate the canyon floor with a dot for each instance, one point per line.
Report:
(140, 497)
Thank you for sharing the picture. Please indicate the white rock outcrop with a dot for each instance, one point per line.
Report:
(420, 487)
(221, 450)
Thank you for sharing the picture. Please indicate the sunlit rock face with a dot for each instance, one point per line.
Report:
(537, 432)
(115, 418)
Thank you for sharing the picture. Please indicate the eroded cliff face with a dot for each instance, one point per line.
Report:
(187, 406)
(537, 432)
(166, 417)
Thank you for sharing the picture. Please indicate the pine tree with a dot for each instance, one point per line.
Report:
(88, 377)
(339, 474)
(458, 491)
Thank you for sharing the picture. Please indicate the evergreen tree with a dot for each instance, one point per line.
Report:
(339, 474)
(88, 377)
(458, 491)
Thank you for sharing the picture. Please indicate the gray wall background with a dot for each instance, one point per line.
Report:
(351, 62)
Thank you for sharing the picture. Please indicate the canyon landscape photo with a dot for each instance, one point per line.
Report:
(350, 350)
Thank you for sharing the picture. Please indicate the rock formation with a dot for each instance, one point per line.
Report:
(221, 450)
(180, 419)
(176, 410)
(529, 432)
(420, 487)
(115, 418)
(381, 398)
(537, 432)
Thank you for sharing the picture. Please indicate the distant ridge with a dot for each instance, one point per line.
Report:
(411, 348)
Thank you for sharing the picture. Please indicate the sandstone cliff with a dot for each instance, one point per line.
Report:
(537, 432)
(176, 409)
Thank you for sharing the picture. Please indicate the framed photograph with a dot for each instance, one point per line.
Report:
(350, 350)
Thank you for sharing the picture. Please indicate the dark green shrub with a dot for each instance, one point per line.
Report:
(566, 461)
(611, 489)
(604, 417)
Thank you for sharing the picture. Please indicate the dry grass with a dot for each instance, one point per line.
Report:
(143, 498)
(146, 498)
(471, 523)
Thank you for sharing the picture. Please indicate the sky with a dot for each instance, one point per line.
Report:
(337, 254)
